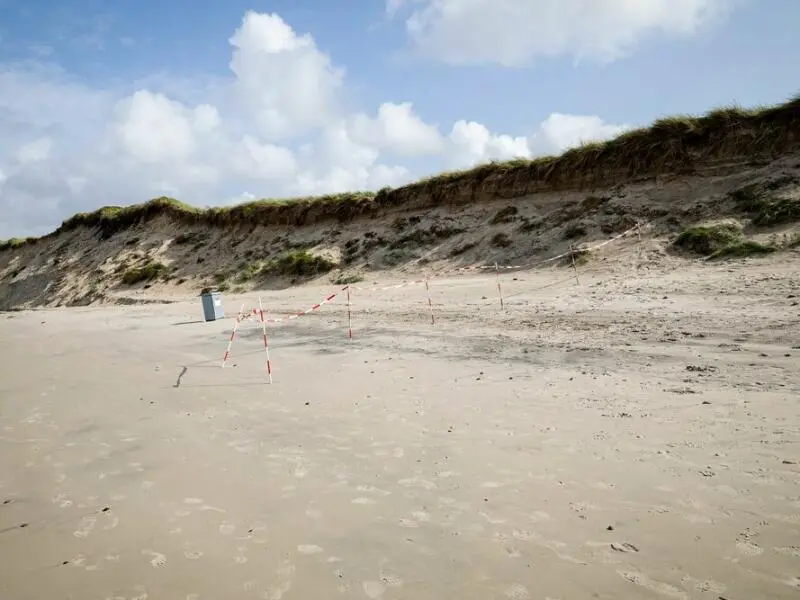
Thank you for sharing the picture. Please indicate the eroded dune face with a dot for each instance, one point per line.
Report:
(748, 211)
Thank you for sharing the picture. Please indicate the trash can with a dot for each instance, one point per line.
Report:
(212, 306)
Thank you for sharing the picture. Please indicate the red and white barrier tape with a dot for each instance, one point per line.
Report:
(637, 229)
(242, 316)
(256, 313)
(388, 287)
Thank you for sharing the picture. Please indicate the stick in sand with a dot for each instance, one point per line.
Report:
(233, 334)
(574, 266)
(430, 304)
(499, 289)
(349, 317)
(264, 332)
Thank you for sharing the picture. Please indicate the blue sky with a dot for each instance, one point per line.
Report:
(91, 79)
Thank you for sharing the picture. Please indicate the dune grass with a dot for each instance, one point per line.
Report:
(765, 207)
(672, 144)
(11, 244)
(719, 241)
(705, 240)
(299, 264)
(148, 272)
(743, 249)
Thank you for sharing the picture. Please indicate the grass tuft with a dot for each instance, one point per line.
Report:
(348, 279)
(505, 215)
(765, 209)
(743, 249)
(148, 272)
(299, 264)
(500, 240)
(12, 244)
(705, 240)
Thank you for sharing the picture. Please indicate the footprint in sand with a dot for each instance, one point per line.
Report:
(87, 524)
(517, 592)
(524, 536)
(240, 558)
(789, 551)
(421, 516)
(644, 581)
(63, 501)
(373, 589)
(156, 558)
(391, 580)
(703, 585)
(369, 489)
(113, 522)
(363, 500)
(408, 523)
(227, 528)
(284, 573)
(749, 548)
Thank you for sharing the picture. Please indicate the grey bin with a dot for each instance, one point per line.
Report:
(212, 306)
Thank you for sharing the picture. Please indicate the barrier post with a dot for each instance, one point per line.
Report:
(430, 304)
(574, 266)
(233, 335)
(264, 333)
(349, 316)
(499, 289)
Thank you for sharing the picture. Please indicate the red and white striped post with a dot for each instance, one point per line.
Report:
(349, 316)
(430, 304)
(499, 289)
(574, 266)
(264, 333)
(233, 335)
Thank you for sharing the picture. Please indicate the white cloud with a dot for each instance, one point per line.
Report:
(472, 143)
(281, 77)
(276, 127)
(514, 32)
(153, 128)
(35, 151)
(263, 160)
(398, 129)
(567, 131)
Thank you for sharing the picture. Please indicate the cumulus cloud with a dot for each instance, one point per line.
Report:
(567, 131)
(283, 78)
(277, 126)
(514, 32)
(398, 129)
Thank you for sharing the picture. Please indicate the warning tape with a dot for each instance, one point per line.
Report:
(553, 258)
(255, 314)
(498, 268)
(388, 287)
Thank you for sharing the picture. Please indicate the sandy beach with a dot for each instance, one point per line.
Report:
(634, 436)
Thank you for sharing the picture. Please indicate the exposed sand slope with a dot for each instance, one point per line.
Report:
(633, 437)
(82, 265)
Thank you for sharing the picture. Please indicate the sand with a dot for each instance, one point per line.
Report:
(636, 436)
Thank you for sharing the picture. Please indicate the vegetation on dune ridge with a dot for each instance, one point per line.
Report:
(673, 144)
(721, 240)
